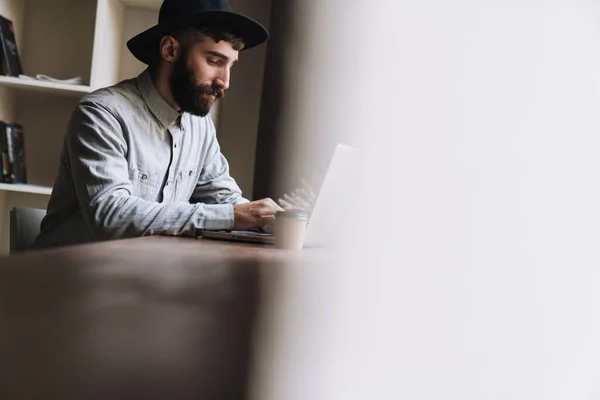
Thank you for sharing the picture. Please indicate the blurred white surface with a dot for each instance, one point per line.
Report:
(480, 120)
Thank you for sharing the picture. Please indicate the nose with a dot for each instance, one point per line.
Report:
(223, 78)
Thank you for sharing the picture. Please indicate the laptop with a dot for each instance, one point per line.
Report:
(241, 236)
(324, 223)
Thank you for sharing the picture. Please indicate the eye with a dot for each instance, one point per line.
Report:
(214, 61)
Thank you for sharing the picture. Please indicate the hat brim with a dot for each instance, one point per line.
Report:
(144, 46)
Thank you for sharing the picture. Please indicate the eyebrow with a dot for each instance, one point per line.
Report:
(220, 55)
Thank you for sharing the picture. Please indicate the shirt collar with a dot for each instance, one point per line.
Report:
(166, 114)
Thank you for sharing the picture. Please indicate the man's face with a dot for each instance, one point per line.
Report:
(201, 75)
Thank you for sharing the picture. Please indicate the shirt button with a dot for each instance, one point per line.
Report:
(175, 145)
(191, 172)
(167, 184)
(144, 177)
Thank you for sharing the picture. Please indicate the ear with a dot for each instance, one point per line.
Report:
(169, 48)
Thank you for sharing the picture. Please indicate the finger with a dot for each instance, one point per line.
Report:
(275, 205)
(285, 204)
(288, 206)
(267, 220)
(269, 209)
(304, 197)
(300, 201)
(268, 228)
(290, 200)
(266, 205)
(296, 197)
(302, 193)
(272, 205)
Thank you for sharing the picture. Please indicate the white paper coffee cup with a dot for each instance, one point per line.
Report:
(290, 227)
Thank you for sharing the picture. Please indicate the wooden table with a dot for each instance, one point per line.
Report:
(155, 317)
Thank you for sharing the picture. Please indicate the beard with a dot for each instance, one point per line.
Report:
(187, 93)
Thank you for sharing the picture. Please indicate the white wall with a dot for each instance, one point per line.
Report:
(481, 125)
(137, 21)
(493, 268)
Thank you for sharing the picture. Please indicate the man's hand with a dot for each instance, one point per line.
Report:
(258, 214)
(303, 198)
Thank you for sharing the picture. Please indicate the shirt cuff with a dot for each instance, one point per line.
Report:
(218, 217)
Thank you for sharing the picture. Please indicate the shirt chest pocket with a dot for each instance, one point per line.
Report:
(145, 183)
(185, 184)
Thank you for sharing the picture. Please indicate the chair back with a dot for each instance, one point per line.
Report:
(24, 227)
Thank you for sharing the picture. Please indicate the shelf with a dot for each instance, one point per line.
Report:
(45, 87)
(25, 188)
(146, 4)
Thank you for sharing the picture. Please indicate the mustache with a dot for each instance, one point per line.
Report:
(213, 90)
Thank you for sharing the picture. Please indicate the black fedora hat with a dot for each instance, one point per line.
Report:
(176, 14)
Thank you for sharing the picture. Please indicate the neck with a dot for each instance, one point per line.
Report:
(160, 78)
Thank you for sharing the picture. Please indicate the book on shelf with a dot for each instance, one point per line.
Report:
(19, 170)
(6, 172)
(13, 153)
(10, 63)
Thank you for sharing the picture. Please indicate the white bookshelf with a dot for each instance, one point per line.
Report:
(143, 4)
(62, 39)
(25, 188)
(60, 89)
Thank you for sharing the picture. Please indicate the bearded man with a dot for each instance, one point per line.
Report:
(141, 157)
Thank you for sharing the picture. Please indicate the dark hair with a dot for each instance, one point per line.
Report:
(190, 35)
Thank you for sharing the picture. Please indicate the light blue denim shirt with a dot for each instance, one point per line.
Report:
(133, 166)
